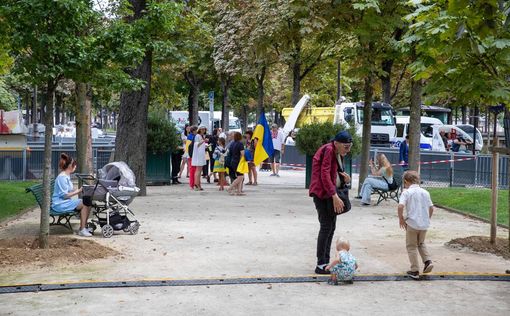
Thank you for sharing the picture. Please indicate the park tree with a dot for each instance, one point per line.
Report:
(228, 44)
(147, 23)
(463, 51)
(301, 38)
(372, 24)
(194, 41)
(45, 41)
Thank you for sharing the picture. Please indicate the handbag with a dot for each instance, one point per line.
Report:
(391, 186)
(342, 191)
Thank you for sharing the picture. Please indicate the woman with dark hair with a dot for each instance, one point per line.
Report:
(63, 192)
(236, 151)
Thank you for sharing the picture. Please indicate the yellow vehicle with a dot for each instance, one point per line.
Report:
(311, 115)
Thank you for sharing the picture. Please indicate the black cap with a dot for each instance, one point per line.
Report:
(343, 137)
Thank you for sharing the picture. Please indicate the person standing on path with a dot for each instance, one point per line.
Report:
(419, 208)
(404, 154)
(190, 141)
(198, 159)
(177, 154)
(327, 176)
(279, 149)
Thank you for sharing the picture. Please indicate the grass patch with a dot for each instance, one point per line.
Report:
(471, 201)
(13, 198)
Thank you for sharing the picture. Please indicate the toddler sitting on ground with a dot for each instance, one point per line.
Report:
(344, 266)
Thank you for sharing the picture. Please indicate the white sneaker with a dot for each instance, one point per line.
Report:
(84, 233)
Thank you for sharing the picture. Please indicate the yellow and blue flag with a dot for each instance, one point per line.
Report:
(262, 133)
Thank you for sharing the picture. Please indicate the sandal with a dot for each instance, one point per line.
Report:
(249, 183)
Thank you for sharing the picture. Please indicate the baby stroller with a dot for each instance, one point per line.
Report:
(109, 196)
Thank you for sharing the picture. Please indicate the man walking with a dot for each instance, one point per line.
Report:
(279, 148)
(327, 182)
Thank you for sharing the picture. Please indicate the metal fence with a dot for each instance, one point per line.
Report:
(450, 169)
(28, 164)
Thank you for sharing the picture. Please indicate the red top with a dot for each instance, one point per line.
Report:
(324, 172)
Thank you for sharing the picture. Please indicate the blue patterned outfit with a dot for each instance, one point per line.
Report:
(346, 268)
(59, 203)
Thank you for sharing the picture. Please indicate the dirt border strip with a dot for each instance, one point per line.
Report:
(449, 209)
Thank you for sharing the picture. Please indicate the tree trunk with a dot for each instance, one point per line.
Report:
(34, 110)
(42, 109)
(415, 125)
(464, 114)
(83, 133)
(261, 93)
(296, 81)
(225, 103)
(338, 81)
(44, 231)
(387, 65)
(58, 107)
(244, 117)
(131, 140)
(27, 108)
(194, 93)
(367, 125)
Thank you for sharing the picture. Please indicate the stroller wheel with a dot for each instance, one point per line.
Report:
(133, 228)
(107, 231)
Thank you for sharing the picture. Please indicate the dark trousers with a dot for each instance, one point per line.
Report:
(327, 220)
(176, 164)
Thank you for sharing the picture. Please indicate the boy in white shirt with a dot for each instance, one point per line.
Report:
(419, 209)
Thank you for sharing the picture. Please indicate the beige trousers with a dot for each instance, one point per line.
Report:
(415, 242)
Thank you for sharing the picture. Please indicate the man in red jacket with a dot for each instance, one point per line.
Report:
(328, 176)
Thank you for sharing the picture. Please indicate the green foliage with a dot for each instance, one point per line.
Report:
(462, 50)
(7, 100)
(44, 37)
(162, 135)
(312, 136)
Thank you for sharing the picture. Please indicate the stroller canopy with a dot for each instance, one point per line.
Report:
(118, 171)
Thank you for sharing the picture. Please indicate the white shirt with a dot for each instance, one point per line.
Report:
(278, 140)
(417, 203)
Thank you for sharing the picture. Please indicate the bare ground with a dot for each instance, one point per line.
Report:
(482, 244)
(62, 250)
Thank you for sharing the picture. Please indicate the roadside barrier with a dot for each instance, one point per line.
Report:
(447, 276)
(397, 164)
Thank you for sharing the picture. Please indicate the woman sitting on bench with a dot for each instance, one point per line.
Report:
(61, 201)
(376, 181)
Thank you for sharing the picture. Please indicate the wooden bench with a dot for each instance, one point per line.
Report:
(389, 194)
(58, 218)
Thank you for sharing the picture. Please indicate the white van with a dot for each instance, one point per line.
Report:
(427, 131)
(180, 118)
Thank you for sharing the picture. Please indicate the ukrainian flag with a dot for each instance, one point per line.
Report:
(264, 148)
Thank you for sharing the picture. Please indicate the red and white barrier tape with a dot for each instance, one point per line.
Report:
(397, 164)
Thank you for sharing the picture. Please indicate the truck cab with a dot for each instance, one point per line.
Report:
(383, 128)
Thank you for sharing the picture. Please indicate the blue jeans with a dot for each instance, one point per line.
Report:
(368, 186)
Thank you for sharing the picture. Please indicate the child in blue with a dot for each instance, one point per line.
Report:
(344, 266)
